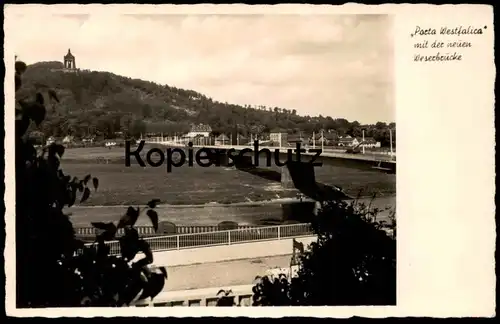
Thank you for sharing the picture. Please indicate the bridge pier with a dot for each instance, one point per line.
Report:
(301, 176)
(301, 212)
(286, 178)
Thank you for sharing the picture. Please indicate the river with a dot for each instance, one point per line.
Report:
(244, 214)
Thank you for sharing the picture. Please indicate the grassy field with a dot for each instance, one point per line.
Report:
(121, 185)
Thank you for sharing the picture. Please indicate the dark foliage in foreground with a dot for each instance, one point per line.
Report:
(225, 298)
(352, 263)
(53, 269)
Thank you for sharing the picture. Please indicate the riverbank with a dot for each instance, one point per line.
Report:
(210, 214)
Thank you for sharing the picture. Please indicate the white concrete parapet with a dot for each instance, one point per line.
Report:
(242, 296)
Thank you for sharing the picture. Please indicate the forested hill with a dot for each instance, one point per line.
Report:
(104, 103)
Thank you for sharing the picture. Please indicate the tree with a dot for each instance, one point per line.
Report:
(271, 291)
(53, 268)
(352, 263)
(138, 127)
(92, 96)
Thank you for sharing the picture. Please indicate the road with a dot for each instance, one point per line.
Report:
(221, 274)
(372, 156)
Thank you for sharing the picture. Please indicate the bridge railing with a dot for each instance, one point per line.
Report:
(91, 232)
(240, 235)
(329, 152)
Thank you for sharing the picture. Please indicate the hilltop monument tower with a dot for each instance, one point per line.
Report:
(69, 61)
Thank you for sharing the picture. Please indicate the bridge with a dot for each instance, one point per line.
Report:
(366, 161)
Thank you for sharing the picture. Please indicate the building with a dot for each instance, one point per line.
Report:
(197, 140)
(110, 143)
(328, 138)
(279, 136)
(69, 64)
(222, 139)
(368, 142)
(294, 139)
(69, 61)
(242, 140)
(88, 139)
(68, 139)
(199, 130)
(348, 141)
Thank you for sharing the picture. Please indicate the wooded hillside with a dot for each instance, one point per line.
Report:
(102, 103)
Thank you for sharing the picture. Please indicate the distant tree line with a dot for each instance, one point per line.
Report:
(102, 104)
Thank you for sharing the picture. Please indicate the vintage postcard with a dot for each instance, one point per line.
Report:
(334, 161)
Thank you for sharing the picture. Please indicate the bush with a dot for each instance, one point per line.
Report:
(53, 268)
(226, 298)
(352, 263)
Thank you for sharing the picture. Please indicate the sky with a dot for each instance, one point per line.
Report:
(334, 65)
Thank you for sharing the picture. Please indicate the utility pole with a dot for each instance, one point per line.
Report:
(363, 141)
(390, 138)
(314, 140)
(322, 141)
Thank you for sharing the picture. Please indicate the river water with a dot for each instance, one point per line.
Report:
(208, 215)
(120, 185)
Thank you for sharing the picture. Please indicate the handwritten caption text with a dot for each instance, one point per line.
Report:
(444, 44)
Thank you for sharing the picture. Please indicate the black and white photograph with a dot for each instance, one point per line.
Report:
(234, 156)
(237, 160)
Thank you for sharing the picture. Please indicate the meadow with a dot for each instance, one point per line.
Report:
(122, 185)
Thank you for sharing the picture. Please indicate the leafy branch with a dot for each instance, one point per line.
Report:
(54, 269)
